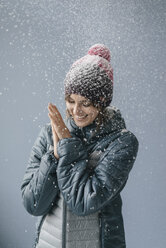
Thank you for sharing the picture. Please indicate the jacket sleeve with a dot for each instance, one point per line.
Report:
(86, 192)
(39, 187)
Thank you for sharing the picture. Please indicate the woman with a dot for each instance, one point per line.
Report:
(77, 170)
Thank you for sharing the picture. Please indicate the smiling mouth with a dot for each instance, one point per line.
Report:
(79, 118)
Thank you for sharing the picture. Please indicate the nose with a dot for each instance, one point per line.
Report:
(77, 109)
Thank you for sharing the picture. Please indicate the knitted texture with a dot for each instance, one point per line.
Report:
(92, 76)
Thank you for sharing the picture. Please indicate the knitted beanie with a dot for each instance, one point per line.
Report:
(92, 76)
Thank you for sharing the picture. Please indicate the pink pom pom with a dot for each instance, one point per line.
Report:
(100, 50)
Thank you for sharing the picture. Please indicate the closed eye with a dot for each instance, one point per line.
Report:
(70, 101)
(86, 104)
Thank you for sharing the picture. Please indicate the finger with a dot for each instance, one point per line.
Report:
(56, 119)
(52, 118)
(53, 131)
(53, 107)
(50, 107)
(58, 122)
(51, 123)
(54, 123)
(53, 127)
(55, 114)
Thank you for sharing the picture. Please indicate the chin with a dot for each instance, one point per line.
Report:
(79, 124)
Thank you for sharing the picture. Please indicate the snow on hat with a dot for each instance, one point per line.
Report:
(92, 76)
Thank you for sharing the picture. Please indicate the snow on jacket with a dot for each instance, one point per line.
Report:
(85, 190)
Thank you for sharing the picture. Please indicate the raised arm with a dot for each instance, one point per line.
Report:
(86, 192)
(39, 187)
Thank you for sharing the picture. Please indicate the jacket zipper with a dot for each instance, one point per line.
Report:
(64, 225)
(100, 228)
(39, 229)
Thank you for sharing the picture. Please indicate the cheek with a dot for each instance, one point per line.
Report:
(93, 113)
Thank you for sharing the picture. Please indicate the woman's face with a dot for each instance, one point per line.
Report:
(81, 109)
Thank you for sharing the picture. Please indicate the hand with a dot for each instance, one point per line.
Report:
(59, 126)
(55, 140)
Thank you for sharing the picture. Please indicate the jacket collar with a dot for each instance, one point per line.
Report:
(114, 123)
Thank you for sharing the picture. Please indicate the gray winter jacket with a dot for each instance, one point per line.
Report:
(86, 190)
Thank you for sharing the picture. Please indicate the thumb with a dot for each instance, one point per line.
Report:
(55, 136)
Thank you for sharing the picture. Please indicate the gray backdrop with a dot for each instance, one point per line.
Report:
(39, 40)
